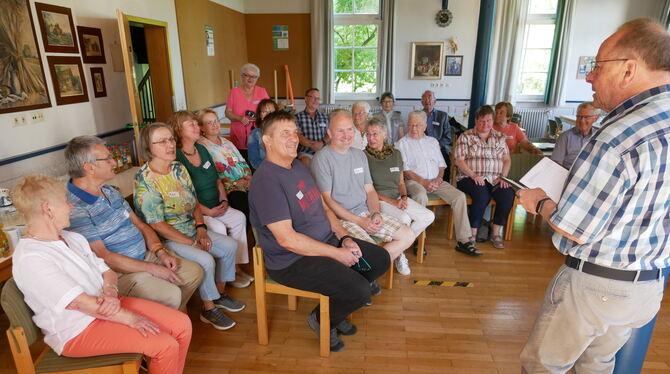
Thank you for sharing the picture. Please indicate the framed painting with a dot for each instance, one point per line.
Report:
(98, 79)
(453, 65)
(90, 42)
(57, 27)
(426, 60)
(68, 79)
(23, 85)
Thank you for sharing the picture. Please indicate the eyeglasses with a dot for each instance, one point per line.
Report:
(387, 101)
(110, 158)
(359, 113)
(247, 76)
(362, 265)
(594, 63)
(584, 117)
(165, 142)
(214, 122)
(313, 97)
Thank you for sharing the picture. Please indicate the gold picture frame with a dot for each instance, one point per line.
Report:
(427, 60)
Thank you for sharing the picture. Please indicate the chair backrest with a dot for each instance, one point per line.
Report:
(259, 261)
(18, 312)
(552, 128)
(521, 163)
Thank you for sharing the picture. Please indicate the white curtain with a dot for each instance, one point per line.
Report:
(506, 51)
(556, 94)
(322, 40)
(387, 38)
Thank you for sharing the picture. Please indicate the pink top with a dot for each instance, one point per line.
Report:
(513, 135)
(239, 105)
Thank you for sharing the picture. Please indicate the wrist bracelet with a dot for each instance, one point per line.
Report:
(199, 225)
(403, 196)
(160, 249)
(156, 245)
(540, 204)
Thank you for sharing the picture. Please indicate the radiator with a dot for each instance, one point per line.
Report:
(534, 121)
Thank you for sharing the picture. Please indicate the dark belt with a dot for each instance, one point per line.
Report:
(609, 273)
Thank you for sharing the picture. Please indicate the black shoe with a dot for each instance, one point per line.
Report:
(336, 344)
(415, 249)
(468, 248)
(346, 328)
(375, 288)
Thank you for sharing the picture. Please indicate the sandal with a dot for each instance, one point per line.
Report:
(497, 241)
(468, 249)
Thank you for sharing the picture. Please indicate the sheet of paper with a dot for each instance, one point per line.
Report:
(547, 175)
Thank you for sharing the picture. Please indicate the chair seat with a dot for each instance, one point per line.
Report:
(51, 362)
(433, 199)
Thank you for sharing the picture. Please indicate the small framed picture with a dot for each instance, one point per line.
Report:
(426, 60)
(57, 27)
(453, 65)
(98, 79)
(68, 79)
(90, 41)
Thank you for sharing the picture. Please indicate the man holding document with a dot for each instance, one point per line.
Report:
(612, 221)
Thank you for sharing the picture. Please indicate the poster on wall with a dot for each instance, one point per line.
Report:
(68, 79)
(90, 41)
(22, 81)
(585, 66)
(280, 38)
(209, 38)
(426, 60)
(58, 32)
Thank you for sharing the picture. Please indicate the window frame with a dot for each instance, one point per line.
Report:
(541, 19)
(357, 19)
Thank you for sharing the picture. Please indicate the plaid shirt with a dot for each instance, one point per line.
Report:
(483, 158)
(617, 195)
(312, 129)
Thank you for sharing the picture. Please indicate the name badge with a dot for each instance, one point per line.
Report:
(206, 165)
(256, 102)
(323, 124)
(394, 169)
(173, 194)
(299, 195)
(435, 123)
(358, 170)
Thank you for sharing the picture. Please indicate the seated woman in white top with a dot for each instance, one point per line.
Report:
(74, 294)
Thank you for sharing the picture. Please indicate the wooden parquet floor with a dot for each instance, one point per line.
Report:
(409, 329)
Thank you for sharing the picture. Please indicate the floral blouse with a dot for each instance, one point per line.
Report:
(170, 198)
(228, 161)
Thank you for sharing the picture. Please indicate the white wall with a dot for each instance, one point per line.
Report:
(593, 22)
(415, 22)
(98, 115)
(276, 7)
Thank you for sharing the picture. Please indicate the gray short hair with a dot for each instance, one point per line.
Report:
(418, 113)
(379, 123)
(339, 112)
(249, 65)
(588, 104)
(363, 104)
(78, 152)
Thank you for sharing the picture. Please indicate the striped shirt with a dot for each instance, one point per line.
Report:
(105, 218)
(617, 195)
(484, 158)
(312, 129)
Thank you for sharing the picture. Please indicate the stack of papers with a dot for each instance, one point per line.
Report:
(547, 175)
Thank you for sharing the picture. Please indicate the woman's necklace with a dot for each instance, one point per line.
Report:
(190, 154)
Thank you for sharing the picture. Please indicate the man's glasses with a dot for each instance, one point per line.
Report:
(584, 117)
(165, 142)
(109, 158)
(594, 63)
(247, 76)
(362, 265)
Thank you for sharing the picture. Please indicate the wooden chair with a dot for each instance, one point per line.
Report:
(23, 332)
(433, 202)
(265, 285)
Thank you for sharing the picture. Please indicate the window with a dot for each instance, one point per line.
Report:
(538, 49)
(356, 47)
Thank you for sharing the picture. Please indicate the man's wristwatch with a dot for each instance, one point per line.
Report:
(540, 204)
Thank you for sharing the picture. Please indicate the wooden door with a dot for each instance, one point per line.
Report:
(127, 52)
(159, 65)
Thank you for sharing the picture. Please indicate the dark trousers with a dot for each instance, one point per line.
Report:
(347, 288)
(481, 195)
(447, 171)
(238, 200)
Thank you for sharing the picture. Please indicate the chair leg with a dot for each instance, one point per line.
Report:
(324, 332)
(420, 247)
(450, 224)
(389, 277)
(292, 302)
(261, 310)
(510, 221)
(18, 344)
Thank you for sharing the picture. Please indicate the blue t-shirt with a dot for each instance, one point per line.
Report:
(105, 218)
(279, 194)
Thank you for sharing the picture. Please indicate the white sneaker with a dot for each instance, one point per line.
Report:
(402, 265)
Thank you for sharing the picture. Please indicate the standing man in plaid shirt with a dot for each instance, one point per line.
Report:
(613, 219)
(312, 125)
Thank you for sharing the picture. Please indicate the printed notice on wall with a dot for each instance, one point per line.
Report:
(280, 38)
(209, 37)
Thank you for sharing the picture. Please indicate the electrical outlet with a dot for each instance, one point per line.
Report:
(36, 117)
(18, 120)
